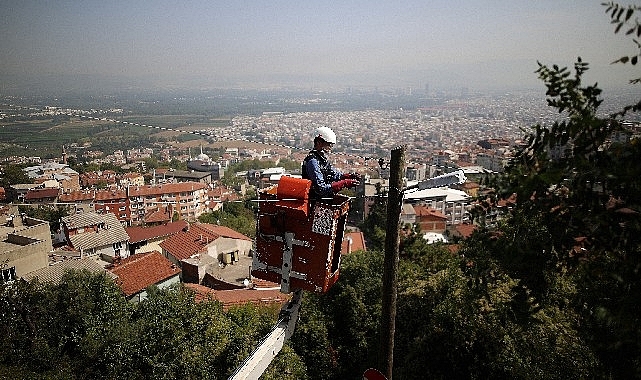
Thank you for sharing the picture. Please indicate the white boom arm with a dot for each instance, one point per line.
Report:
(440, 181)
(254, 366)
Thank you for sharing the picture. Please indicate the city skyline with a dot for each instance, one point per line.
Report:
(205, 44)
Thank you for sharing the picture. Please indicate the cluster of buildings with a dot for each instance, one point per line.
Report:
(449, 132)
(164, 195)
(213, 260)
(148, 234)
(126, 197)
(142, 229)
(138, 234)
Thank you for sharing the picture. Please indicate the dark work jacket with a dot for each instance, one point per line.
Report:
(317, 168)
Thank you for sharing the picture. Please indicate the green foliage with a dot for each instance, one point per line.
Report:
(311, 340)
(552, 292)
(291, 165)
(231, 180)
(246, 165)
(576, 190)
(49, 213)
(13, 174)
(337, 335)
(184, 137)
(151, 163)
(239, 216)
(374, 225)
(177, 165)
(84, 328)
(576, 225)
(623, 18)
(287, 365)
(455, 319)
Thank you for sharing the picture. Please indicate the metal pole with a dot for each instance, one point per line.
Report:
(390, 266)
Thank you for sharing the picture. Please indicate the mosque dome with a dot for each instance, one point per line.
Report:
(202, 156)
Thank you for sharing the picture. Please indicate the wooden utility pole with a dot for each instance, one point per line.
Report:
(390, 269)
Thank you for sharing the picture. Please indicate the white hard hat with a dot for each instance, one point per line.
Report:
(326, 134)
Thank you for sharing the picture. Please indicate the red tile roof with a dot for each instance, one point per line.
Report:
(260, 283)
(511, 200)
(133, 175)
(236, 297)
(138, 234)
(223, 231)
(453, 248)
(222, 193)
(183, 245)
(156, 216)
(358, 242)
(465, 229)
(108, 195)
(422, 211)
(41, 194)
(167, 188)
(137, 272)
(76, 196)
(213, 205)
(470, 185)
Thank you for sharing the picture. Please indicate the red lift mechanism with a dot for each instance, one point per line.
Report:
(298, 240)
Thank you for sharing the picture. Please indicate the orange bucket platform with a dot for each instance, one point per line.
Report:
(298, 240)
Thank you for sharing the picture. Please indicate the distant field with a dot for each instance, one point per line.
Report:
(22, 132)
(183, 122)
(45, 138)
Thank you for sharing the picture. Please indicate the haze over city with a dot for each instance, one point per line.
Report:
(479, 45)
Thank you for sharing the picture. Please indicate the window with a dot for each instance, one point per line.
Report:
(8, 274)
(117, 246)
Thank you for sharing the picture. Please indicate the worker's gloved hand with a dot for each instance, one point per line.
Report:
(343, 183)
(355, 176)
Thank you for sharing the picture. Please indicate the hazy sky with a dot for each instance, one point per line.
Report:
(471, 43)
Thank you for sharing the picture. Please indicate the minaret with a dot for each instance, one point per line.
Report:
(64, 155)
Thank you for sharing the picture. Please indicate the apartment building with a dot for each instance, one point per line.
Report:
(454, 204)
(113, 201)
(135, 205)
(186, 199)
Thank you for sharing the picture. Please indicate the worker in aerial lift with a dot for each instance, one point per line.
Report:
(326, 180)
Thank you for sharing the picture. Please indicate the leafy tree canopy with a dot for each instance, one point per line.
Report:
(238, 216)
(12, 175)
(84, 328)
